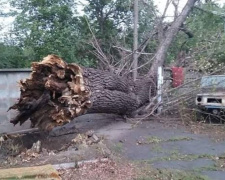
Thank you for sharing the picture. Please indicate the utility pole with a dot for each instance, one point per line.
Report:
(135, 44)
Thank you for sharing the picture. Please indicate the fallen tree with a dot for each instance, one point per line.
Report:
(57, 92)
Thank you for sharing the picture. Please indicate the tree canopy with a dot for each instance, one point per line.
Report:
(44, 27)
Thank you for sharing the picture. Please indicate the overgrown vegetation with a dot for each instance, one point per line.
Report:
(46, 27)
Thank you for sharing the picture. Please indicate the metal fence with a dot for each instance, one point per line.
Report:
(9, 93)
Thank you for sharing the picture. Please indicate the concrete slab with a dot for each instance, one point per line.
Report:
(215, 175)
(157, 154)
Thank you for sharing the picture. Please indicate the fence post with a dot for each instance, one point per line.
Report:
(159, 89)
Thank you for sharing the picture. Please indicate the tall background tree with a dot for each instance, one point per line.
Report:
(205, 49)
(44, 27)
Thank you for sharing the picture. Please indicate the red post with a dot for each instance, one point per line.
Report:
(178, 76)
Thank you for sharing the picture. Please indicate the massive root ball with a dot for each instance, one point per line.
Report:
(54, 94)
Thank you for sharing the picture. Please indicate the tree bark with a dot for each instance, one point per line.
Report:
(160, 55)
(58, 92)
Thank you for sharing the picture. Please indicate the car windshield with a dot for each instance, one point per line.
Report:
(213, 81)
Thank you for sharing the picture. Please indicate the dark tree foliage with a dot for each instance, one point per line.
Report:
(12, 57)
(47, 26)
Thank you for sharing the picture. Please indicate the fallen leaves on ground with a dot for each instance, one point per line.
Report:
(109, 170)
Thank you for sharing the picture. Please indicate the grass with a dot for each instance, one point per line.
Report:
(146, 172)
(213, 167)
(179, 139)
(174, 176)
(176, 156)
(153, 139)
(157, 148)
(156, 140)
(118, 147)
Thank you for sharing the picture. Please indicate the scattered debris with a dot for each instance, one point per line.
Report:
(31, 153)
(36, 147)
(101, 170)
(2, 139)
(89, 138)
(78, 164)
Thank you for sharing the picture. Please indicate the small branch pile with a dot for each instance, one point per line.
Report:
(53, 95)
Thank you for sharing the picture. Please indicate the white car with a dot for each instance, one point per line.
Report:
(211, 100)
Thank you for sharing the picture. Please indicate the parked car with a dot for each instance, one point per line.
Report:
(211, 100)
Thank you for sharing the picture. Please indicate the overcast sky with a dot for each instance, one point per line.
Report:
(162, 3)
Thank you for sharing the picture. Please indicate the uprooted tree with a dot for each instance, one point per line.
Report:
(57, 92)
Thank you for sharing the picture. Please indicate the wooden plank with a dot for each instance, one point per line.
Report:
(37, 172)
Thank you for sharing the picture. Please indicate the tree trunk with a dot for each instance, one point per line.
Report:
(160, 55)
(58, 92)
(135, 43)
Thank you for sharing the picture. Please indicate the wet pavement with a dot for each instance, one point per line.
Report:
(161, 145)
(166, 147)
